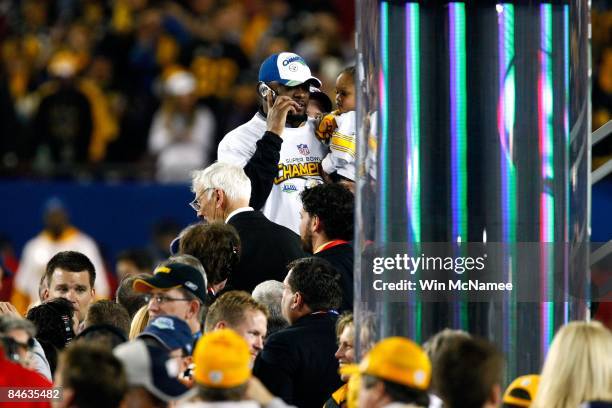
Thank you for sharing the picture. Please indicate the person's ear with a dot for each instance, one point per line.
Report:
(220, 325)
(221, 199)
(315, 223)
(45, 294)
(298, 300)
(495, 398)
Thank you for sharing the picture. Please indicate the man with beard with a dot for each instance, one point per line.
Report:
(326, 227)
(278, 148)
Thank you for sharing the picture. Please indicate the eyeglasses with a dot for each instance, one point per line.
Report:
(195, 204)
(164, 299)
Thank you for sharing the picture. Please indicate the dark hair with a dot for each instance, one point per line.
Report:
(466, 372)
(128, 298)
(318, 282)
(108, 312)
(222, 394)
(217, 247)
(399, 392)
(334, 205)
(350, 70)
(53, 321)
(94, 374)
(141, 258)
(71, 261)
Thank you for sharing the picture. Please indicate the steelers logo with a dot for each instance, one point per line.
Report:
(293, 67)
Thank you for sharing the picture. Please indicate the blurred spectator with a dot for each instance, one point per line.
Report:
(469, 374)
(164, 232)
(128, 297)
(222, 194)
(89, 376)
(58, 235)
(139, 322)
(576, 368)
(150, 383)
(395, 372)
(223, 374)
(217, 247)
(270, 293)
(345, 331)
(56, 326)
(106, 322)
(238, 311)
(312, 293)
(173, 335)
(133, 262)
(182, 134)
(521, 392)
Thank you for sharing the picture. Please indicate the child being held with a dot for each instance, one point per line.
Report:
(337, 129)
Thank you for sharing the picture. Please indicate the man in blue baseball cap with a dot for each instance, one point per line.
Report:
(277, 148)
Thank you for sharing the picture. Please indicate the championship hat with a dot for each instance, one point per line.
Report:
(521, 392)
(288, 69)
(222, 359)
(395, 359)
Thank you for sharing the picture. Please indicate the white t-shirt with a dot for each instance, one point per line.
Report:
(300, 157)
(178, 157)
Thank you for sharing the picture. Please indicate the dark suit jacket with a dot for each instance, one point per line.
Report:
(341, 258)
(267, 248)
(298, 365)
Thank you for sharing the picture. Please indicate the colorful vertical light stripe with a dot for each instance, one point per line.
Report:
(413, 142)
(547, 203)
(458, 134)
(566, 129)
(413, 123)
(505, 125)
(458, 121)
(383, 86)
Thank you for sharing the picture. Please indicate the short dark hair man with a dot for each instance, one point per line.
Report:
(468, 374)
(127, 297)
(71, 275)
(395, 372)
(90, 376)
(326, 227)
(276, 173)
(312, 293)
(176, 289)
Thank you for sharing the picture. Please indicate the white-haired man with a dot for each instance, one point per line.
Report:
(278, 148)
(222, 194)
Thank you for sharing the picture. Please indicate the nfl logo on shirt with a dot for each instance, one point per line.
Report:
(303, 149)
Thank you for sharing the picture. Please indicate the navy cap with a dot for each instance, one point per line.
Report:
(288, 69)
(174, 275)
(146, 366)
(173, 333)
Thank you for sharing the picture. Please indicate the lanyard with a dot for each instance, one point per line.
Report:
(330, 244)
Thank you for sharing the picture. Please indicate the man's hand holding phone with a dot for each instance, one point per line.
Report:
(278, 108)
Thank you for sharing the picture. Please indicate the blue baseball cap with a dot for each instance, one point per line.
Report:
(173, 333)
(146, 366)
(288, 69)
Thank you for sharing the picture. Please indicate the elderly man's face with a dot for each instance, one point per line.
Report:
(206, 203)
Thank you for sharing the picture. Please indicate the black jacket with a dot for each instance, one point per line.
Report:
(267, 248)
(298, 365)
(341, 258)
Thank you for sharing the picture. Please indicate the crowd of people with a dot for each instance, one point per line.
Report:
(253, 305)
(135, 89)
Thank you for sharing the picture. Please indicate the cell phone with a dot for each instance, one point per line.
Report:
(263, 89)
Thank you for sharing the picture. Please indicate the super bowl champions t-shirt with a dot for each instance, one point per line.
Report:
(299, 167)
